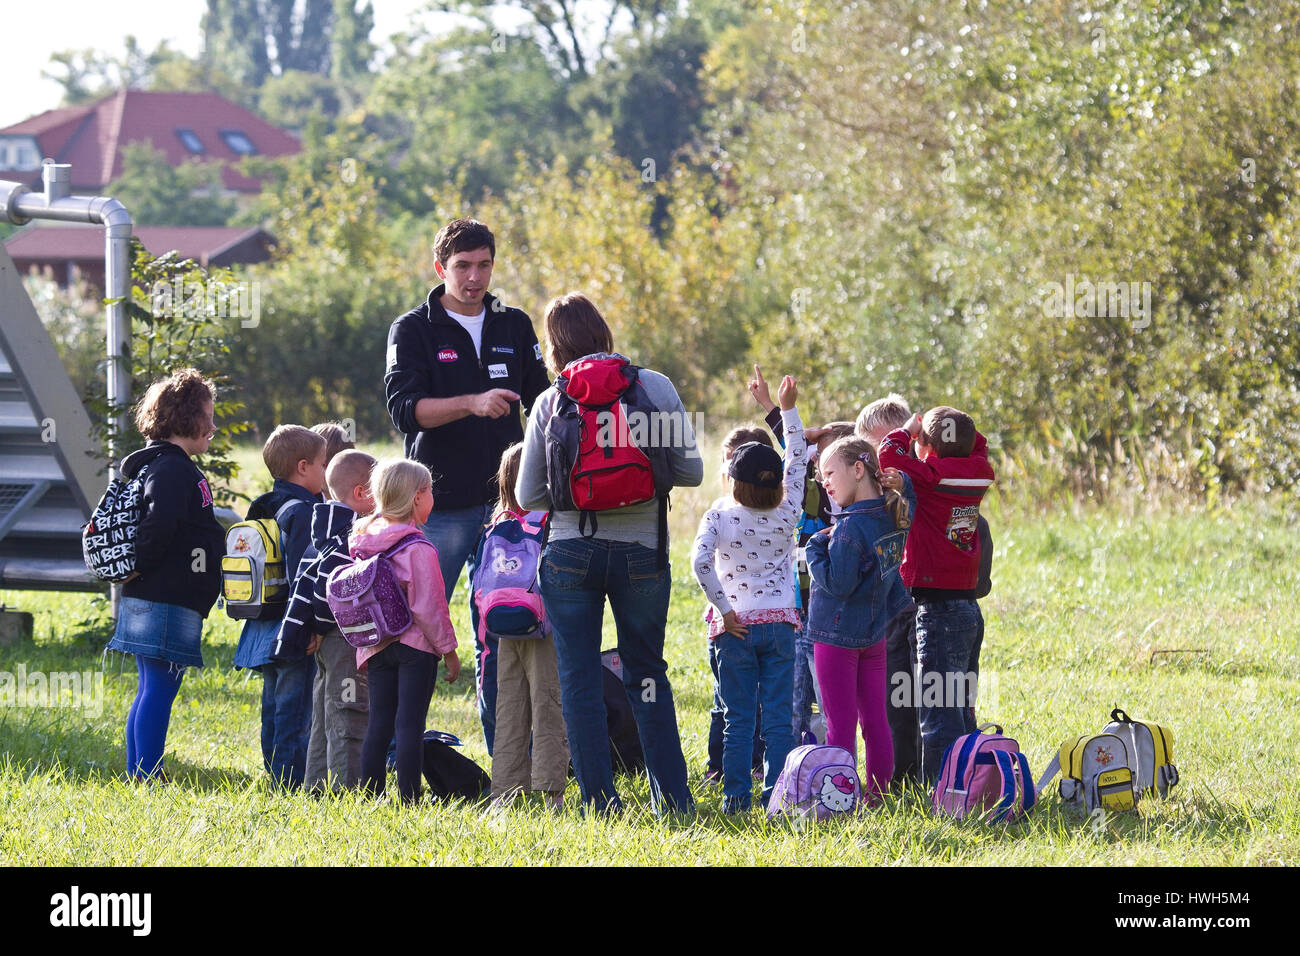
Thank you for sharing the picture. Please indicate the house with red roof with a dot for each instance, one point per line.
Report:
(69, 251)
(202, 127)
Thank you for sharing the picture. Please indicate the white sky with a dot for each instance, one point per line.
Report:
(100, 25)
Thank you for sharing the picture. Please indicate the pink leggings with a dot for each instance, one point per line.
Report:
(853, 689)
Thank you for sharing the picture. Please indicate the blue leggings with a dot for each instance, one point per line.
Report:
(151, 711)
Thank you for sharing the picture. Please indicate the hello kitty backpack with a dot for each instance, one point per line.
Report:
(817, 781)
(984, 775)
(505, 578)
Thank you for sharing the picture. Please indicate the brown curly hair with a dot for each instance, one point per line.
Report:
(176, 406)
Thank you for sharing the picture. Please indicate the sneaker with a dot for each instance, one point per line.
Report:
(713, 778)
(733, 807)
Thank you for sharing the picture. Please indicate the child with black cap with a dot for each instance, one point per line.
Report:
(743, 559)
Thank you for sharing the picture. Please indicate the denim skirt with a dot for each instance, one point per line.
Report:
(168, 632)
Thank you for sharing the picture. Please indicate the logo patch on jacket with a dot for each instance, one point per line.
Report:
(448, 355)
(503, 349)
(205, 493)
(961, 530)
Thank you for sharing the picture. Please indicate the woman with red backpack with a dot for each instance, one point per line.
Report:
(594, 457)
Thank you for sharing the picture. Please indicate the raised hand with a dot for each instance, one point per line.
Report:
(758, 388)
(787, 392)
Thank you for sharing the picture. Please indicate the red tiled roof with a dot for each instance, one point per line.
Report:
(91, 137)
(77, 243)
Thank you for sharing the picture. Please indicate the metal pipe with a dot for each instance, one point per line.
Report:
(18, 204)
(10, 193)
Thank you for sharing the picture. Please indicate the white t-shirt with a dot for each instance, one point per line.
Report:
(473, 324)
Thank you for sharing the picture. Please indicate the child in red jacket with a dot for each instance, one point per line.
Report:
(940, 566)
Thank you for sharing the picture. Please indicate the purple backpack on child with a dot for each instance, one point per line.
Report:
(818, 781)
(984, 775)
(505, 578)
(367, 599)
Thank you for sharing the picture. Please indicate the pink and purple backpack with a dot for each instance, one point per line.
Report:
(817, 781)
(985, 775)
(505, 578)
(367, 599)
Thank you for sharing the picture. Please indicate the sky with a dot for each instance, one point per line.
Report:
(103, 24)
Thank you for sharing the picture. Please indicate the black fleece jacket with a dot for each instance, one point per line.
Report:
(179, 542)
(430, 355)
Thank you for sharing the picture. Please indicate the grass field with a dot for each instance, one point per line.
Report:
(1183, 618)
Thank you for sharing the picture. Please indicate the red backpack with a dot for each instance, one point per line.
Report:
(593, 461)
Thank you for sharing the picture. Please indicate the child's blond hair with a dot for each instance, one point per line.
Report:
(884, 414)
(851, 450)
(288, 445)
(348, 469)
(394, 483)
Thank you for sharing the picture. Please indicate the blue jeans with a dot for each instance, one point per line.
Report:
(717, 722)
(456, 535)
(805, 686)
(946, 644)
(286, 719)
(756, 668)
(577, 574)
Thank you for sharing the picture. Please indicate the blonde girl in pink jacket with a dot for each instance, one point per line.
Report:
(402, 670)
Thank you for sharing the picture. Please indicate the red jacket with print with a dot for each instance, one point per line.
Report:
(943, 548)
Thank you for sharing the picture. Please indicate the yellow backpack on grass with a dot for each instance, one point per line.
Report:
(1111, 770)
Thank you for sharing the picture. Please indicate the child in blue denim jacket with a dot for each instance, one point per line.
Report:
(856, 592)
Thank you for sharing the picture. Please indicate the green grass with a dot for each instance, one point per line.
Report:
(1080, 603)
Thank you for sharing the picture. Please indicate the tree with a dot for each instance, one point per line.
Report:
(159, 194)
(88, 75)
(460, 108)
(341, 273)
(577, 35)
(252, 40)
(292, 98)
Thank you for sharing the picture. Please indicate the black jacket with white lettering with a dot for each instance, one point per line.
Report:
(430, 355)
(179, 542)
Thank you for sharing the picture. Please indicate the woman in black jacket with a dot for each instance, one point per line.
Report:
(179, 545)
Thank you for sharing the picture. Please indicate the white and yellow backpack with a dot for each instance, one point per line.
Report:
(1111, 770)
(254, 582)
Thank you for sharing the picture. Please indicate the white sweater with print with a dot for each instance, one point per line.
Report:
(743, 556)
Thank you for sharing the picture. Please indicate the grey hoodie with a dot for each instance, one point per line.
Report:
(638, 524)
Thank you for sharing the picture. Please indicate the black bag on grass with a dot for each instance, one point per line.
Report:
(625, 752)
(451, 774)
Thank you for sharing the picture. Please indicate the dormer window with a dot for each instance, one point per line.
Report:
(190, 140)
(238, 142)
(19, 152)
